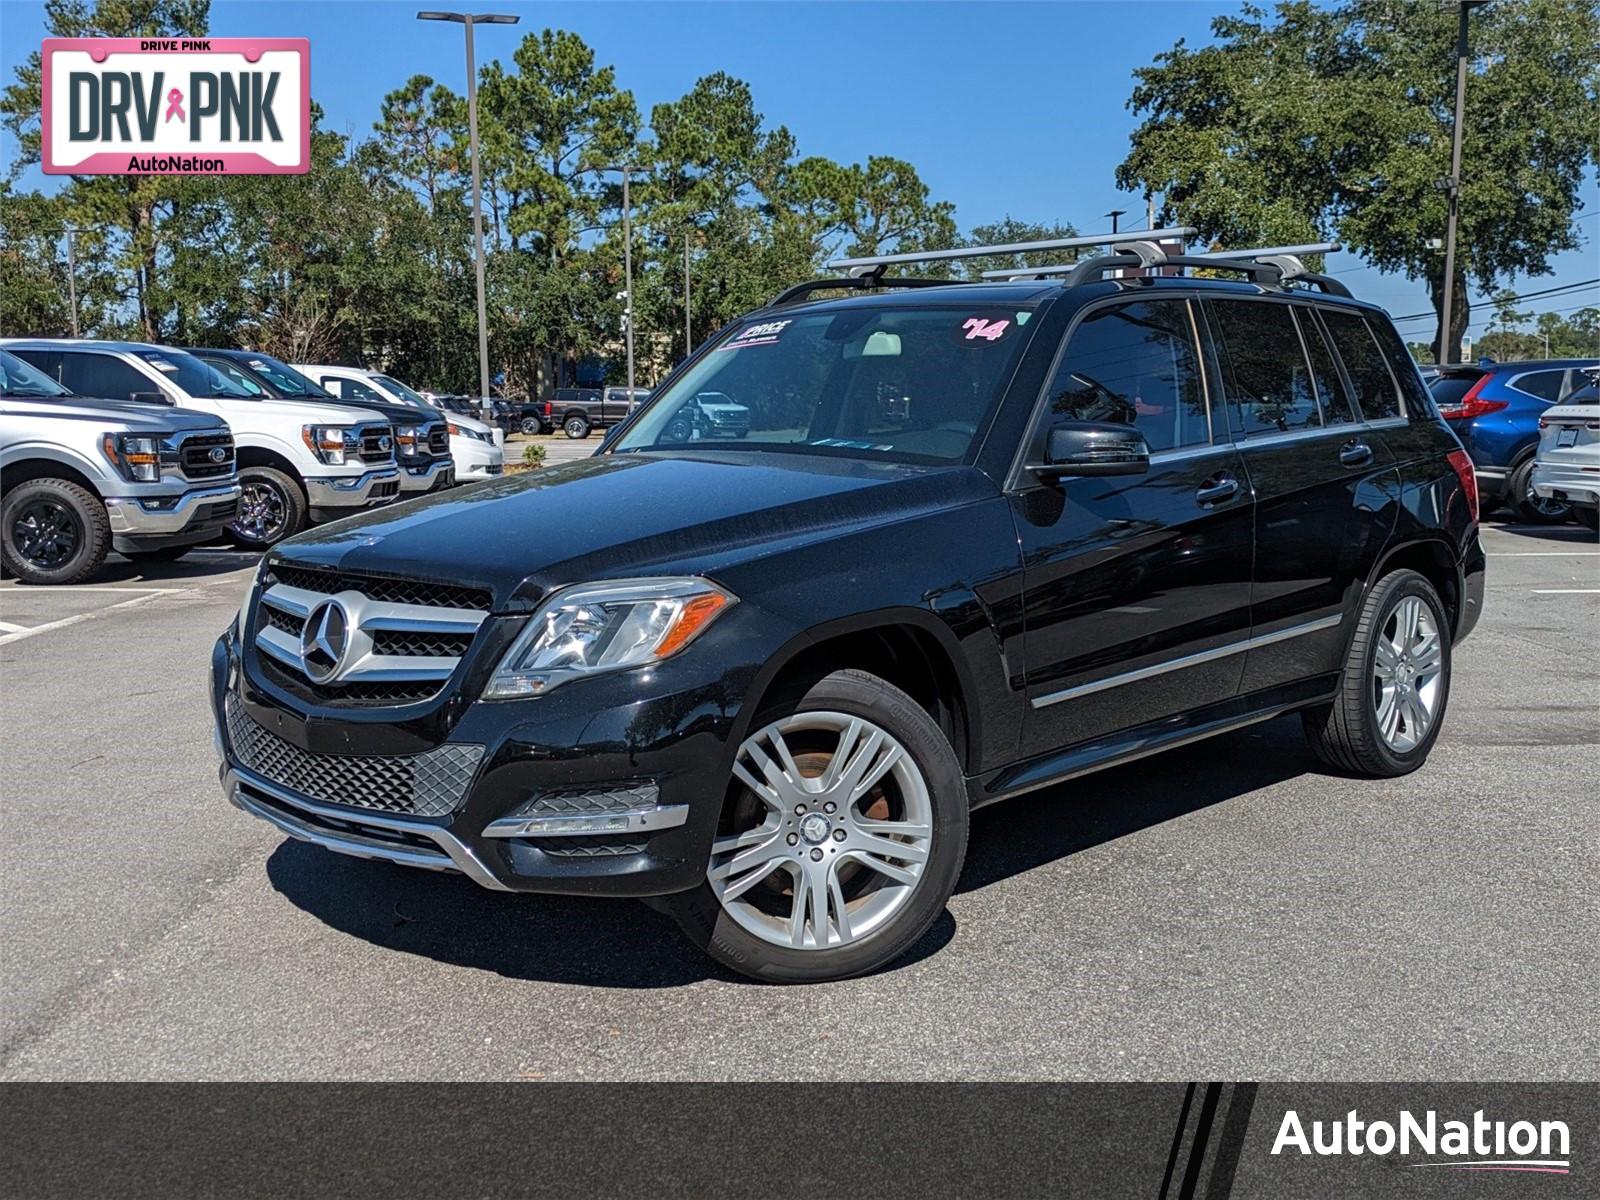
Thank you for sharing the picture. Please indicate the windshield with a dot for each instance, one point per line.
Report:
(284, 378)
(18, 378)
(401, 390)
(190, 375)
(905, 383)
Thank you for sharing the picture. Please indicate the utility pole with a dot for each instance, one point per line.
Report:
(688, 332)
(1114, 214)
(468, 20)
(627, 260)
(72, 278)
(1447, 342)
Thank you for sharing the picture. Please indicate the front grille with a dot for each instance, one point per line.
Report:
(194, 456)
(439, 441)
(377, 443)
(378, 587)
(391, 654)
(432, 784)
(222, 510)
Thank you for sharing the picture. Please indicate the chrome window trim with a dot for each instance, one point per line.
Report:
(1188, 660)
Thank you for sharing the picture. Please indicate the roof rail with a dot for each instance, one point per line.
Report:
(1285, 259)
(800, 291)
(878, 263)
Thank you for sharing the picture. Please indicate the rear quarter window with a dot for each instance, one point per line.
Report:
(1546, 385)
(1376, 392)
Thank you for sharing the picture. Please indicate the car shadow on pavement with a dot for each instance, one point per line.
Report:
(196, 565)
(583, 940)
(1040, 827)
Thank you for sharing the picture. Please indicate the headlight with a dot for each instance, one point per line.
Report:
(406, 438)
(136, 456)
(332, 444)
(250, 588)
(473, 434)
(596, 627)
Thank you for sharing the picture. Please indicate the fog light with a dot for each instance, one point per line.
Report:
(607, 823)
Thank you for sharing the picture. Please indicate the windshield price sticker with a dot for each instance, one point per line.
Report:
(979, 330)
(765, 334)
(176, 106)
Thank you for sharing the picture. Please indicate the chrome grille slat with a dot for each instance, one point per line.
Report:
(431, 784)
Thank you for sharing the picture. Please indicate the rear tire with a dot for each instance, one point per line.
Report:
(53, 531)
(575, 427)
(1528, 504)
(878, 847)
(532, 426)
(1395, 687)
(271, 508)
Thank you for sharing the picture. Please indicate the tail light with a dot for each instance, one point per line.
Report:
(1472, 405)
(549, 409)
(1462, 462)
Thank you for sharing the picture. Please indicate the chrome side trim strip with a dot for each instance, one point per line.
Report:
(1188, 660)
(662, 816)
(456, 853)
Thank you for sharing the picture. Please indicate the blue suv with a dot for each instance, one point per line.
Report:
(1494, 409)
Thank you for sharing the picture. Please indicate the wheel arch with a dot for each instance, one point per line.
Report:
(907, 647)
(261, 456)
(24, 470)
(1435, 559)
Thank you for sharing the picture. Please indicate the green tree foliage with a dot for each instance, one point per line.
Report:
(1549, 335)
(1336, 120)
(1008, 230)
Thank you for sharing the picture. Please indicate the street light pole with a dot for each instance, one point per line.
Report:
(1447, 341)
(688, 333)
(627, 269)
(468, 20)
(72, 279)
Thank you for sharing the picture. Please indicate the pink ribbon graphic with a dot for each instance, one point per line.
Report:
(175, 105)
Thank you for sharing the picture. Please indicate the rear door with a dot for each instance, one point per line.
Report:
(1324, 482)
(1137, 587)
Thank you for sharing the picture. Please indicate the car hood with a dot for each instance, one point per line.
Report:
(394, 414)
(122, 414)
(248, 411)
(619, 515)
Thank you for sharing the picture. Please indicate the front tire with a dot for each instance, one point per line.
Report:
(532, 426)
(842, 835)
(1395, 686)
(576, 428)
(53, 531)
(271, 508)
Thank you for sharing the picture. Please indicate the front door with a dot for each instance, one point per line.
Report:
(1137, 587)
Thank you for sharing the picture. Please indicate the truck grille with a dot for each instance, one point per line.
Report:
(439, 441)
(377, 443)
(431, 784)
(194, 456)
(388, 641)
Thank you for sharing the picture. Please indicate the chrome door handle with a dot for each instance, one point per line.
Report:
(1353, 454)
(1217, 489)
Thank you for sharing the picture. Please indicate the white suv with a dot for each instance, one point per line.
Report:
(298, 463)
(477, 447)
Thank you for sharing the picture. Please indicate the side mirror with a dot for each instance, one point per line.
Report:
(1091, 448)
(150, 398)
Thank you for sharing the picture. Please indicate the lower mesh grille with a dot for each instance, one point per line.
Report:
(617, 797)
(432, 784)
(588, 847)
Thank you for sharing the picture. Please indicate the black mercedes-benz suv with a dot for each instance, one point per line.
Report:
(976, 539)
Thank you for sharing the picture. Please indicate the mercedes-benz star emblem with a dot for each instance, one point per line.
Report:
(324, 640)
(218, 454)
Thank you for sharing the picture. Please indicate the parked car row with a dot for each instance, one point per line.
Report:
(149, 450)
(576, 411)
(1496, 410)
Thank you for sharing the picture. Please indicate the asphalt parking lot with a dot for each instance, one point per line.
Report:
(1223, 911)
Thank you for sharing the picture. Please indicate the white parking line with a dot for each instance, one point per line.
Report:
(8, 627)
(1544, 553)
(8, 638)
(1557, 592)
(24, 589)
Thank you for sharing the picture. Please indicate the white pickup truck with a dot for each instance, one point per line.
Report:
(298, 463)
(80, 477)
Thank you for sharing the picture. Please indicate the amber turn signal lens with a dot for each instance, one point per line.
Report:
(695, 616)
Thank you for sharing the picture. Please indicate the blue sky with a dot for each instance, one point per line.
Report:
(1004, 108)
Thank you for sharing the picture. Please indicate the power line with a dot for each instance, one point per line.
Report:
(1566, 287)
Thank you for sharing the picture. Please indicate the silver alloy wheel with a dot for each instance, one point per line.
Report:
(845, 829)
(262, 512)
(1407, 682)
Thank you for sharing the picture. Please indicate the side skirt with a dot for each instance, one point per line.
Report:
(1151, 738)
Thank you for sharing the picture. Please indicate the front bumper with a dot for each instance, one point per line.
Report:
(476, 460)
(1567, 481)
(340, 495)
(425, 474)
(613, 788)
(146, 522)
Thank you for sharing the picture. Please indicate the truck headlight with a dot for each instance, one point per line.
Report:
(406, 438)
(332, 444)
(595, 627)
(137, 457)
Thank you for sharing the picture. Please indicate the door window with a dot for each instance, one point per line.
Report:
(1264, 372)
(1376, 392)
(1547, 385)
(1336, 407)
(351, 389)
(1135, 364)
(103, 376)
